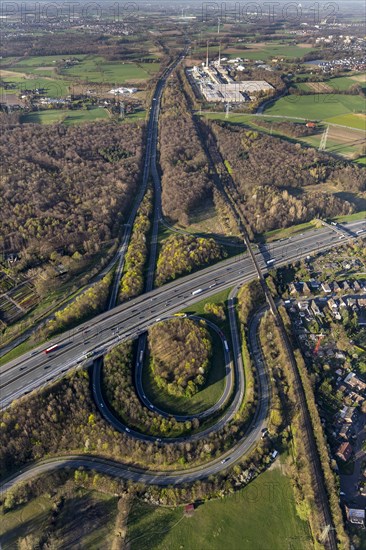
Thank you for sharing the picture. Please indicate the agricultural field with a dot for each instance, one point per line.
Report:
(330, 85)
(46, 72)
(86, 520)
(54, 88)
(265, 506)
(95, 69)
(347, 142)
(339, 109)
(52, 116)
(16, 298)
(259, 51)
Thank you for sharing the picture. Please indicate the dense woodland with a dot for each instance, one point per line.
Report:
(180, 355)
(132, 282)
(181, 254)
(72, 44)
(185, 177)
(60, 192)
(271, 176)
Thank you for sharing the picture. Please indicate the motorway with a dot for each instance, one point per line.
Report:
(124, 471)
(131, 319)
(89, 342)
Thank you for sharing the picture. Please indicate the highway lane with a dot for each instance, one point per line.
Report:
(28, 372)
(165, 478)
(237, 376)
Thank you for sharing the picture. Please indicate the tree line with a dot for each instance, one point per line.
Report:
(132, 282)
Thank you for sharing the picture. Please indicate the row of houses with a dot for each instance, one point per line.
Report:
(313, 286)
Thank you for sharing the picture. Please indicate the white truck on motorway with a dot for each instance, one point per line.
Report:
(197, 291)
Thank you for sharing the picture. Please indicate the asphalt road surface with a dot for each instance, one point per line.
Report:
(34, 369)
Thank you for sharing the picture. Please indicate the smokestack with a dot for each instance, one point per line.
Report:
(219, 54)
(207, 56)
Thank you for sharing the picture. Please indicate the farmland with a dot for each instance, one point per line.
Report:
(260, 51)
(52, 116)
(53, 88)
(95, 69)
(347, 141)
(331, 85)
(85, 520)
(321, 107)
(232, 522)
(57, 79)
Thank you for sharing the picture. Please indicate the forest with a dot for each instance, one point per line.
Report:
(132, 282)
(72, 44)
(185, 175)
(60, 192)
(180, 352)
(181, 254)
(270, 176)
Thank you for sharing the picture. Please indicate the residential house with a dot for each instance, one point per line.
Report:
(344, 451)
(344, 431)
(356, 286)
(292, 288)
(354, 382)
(305, 288)
(345, 286)
(326, 288)
(347, 413)
(315, 309)
(336, 287)
(356, 516)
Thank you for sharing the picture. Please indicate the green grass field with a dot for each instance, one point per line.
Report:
(352, 217)
(352, 120)
(261, 516)
(53, 88)
(276, 234)
(43, 60)
(265, 52)
(97, 69)
(334, 108)
(202, 400)
(66, 116)
(341, 83)
(85, 521)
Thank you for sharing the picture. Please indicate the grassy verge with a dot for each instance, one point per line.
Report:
(202, 400)
(262, 516)
(352, 217)
(276, 234)
(199, 309)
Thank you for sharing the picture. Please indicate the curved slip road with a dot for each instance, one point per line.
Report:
(124, 471)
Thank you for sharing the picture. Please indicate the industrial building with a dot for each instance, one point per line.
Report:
(216, 85)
